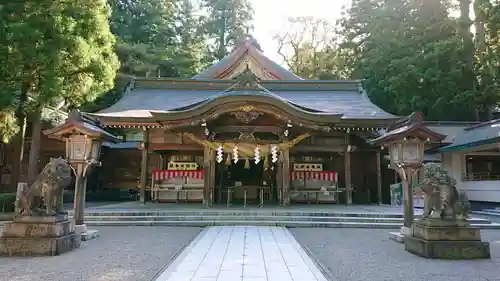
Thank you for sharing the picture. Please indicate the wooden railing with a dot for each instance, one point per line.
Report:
(481, 177)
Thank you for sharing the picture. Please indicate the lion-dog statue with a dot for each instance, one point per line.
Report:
(47, 189)
(442, 198)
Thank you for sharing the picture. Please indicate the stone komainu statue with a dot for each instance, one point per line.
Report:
(48, 186)
(442, 198)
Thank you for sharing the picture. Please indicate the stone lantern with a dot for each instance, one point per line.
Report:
(405, 140)
(83, 137)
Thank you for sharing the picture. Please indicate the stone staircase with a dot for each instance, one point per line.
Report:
(488, 212)
(257, 218)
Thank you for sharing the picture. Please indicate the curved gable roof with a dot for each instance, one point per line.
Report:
(246, 52)
(338, 99)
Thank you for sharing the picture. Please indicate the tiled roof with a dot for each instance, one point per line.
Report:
(139, 102)
(484, 133)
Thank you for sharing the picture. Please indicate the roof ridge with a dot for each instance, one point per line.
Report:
(482, 124)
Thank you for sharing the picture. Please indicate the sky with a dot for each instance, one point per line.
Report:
(271, 16)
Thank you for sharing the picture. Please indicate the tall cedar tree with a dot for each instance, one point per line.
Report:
(227, 21)
(54, 50)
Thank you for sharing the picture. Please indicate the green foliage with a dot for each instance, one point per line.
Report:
(314, 54)
(410, 57)
(68, 55)
(7, 201)
(227, 20)
(487, 55)
(8, 126)
(158, 38)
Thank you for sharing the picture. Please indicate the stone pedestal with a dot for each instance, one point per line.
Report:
(86, 234)
(38, 236)
(439, 239)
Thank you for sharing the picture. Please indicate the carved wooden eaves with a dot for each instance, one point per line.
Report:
(246, 116)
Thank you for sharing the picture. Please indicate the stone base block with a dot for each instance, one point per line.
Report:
(29, 228)
(89, 235)
(452, 250)
(396, 236)
(38, 246)
(41, 219)
(438, 230)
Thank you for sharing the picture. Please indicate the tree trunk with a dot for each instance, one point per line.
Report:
(35, 146)
(480, 46)
(17, 158)
(468, 43)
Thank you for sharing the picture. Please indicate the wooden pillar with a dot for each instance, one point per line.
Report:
(286, 177)
(213, 164)
(279, 180)
(144, 164)
(209, 177)
(379, 178)
(347, 169)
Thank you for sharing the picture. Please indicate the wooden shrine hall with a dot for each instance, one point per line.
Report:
(247, 131)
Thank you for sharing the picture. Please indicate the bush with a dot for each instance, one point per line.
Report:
(7, 201)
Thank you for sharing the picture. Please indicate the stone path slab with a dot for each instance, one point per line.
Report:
(243, 253)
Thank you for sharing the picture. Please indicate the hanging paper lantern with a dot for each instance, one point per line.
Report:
(274, 153)
(220, 154)
(257, 154)
(235, 154)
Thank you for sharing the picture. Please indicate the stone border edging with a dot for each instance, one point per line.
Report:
(174, 258)
(322, 268)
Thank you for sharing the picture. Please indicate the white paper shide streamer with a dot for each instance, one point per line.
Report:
(257, 154)
(274, 153)
(235, 154)
(220, 154)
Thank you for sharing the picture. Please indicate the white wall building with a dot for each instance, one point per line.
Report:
(473, 159)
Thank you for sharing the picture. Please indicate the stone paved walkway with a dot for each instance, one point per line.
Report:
(119, 254)
(369, 255)
(243, 254)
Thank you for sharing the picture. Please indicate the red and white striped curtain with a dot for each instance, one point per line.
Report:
(168, 174)
(315, 175)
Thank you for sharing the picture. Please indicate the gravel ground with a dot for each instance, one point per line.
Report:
(120, 254)
(368, 254)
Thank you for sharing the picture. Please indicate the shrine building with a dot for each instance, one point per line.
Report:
(247, 131)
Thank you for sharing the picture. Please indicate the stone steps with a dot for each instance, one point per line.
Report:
(288, 218)
(488, 212)
(283, 223)
(241, 213)
(260, 218)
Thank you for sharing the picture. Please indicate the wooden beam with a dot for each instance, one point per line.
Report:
(259, 129)
(175, 147)
(319, 148)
